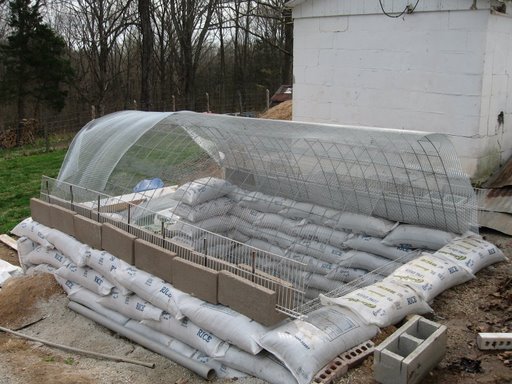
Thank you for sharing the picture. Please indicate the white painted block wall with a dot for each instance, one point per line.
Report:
(445, 70)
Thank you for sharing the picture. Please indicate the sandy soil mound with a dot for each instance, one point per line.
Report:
(281, 111)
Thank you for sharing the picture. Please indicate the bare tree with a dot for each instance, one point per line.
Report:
(146, 31)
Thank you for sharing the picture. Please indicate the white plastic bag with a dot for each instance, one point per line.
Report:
(201, 190)
(131, 306)
(307, 345)
(472, 252)
(381, 304)
(151, 288)
(415, 236)
(429, 275)
(224, 323)
(189, 333)
(34, 231)
(86, 277)
(69, 247)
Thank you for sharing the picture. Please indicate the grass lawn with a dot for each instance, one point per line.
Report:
(20, 179)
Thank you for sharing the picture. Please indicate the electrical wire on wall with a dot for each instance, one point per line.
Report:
(407, 9)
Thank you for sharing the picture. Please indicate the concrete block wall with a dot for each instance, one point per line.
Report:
(441, 69)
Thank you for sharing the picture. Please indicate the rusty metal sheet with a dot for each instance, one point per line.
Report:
(502, 177)
(501, 222)
(495, 200)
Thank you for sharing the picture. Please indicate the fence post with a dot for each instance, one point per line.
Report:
(207, 102)
(239, 100)
(267, 98)
(173, 103)
(93, 112)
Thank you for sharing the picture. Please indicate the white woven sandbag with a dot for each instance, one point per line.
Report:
(86, 277)
(275, 237)
(246, 214)
(237, 235)
(106, 264)
(472, 252)
(264, 246)
(323, 283)
(189, 333)
(278, 222)
(264, 366)
(167, 215)
(90, 300)
(369, 262)
(357, 223)
(211, 208)
(43, 255)
(307, 345)
(297, 210)
(346, 275)
(39, 269)
(24, 246)
(201, 190)
(374, 245)
(429, 275)
(312, 264)
(313, 293)
(221, 370)
(69, 247)
(151, 288)
(415, 236)
(264, 203)
(381, 304)
(34, 231)
(131, 306)
(324, 252)
(217, 224)
(320, 214)
(321, 234)
(223, 322)
(67, 285)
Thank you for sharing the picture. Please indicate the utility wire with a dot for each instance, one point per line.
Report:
(407, 9)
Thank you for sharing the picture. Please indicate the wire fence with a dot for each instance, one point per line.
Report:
(49, 130)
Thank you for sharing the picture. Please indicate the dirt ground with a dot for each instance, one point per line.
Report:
(481, 305)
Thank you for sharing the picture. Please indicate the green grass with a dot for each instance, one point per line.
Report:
(20, 179)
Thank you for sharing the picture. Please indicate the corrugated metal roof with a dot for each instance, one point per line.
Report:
(495, 200)
(499, 221)
(502, 177)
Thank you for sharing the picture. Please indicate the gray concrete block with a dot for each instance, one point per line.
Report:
(248, 298)
(87, 231)
(40, 211)
(62, 219)
(117, 242)
(153, 259)
(410, 353)
(195, 279)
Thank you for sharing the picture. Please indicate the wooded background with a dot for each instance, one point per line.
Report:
(159, 55)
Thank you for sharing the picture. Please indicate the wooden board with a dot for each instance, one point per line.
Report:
(9, 241)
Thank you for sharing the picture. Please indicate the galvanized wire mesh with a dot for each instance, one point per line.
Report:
(311, 170)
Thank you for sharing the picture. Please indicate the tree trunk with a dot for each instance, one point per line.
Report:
(147, 51)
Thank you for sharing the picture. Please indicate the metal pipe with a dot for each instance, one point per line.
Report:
(195, 366)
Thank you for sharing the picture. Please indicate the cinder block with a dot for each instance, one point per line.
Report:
(342, 363)
(153, 259)
(117, 242)
(62, 219)
(195, 279)
(40, 211)
(253, 300)
(410, 352)
(494, 340)
(87, 231)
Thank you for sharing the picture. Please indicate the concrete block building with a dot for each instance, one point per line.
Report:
(442, 66)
